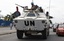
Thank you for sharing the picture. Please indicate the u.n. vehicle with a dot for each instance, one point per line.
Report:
(33, 22)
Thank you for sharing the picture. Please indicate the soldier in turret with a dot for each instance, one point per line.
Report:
(40, 9)
(34, 7)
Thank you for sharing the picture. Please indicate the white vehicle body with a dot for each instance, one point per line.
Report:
(32, 22)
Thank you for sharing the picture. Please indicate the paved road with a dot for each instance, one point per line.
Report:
(12, 37)
(6, 30)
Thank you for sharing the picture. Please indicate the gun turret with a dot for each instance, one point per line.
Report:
(19, 5)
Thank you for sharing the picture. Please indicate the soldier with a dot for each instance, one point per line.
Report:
(41, 10)
(32, 4)
(34, 7)
(11, 25)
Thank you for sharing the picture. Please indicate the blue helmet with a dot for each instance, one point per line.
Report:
(32, 3)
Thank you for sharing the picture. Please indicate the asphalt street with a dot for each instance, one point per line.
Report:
(12, 37)
(6, 30)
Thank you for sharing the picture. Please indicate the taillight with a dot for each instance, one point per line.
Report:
(16, 21)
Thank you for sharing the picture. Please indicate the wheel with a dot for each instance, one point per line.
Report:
(44, 34)
(19, 34)
(48, 33)
(57, 34)
(54, 30)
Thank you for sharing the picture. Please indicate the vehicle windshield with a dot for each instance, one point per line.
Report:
(61, 25)
(31, 14)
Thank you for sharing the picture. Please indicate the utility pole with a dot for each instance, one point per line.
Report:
(32, 0)
(49, 5)
(0, 10)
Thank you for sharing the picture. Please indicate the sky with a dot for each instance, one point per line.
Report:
(56, 7)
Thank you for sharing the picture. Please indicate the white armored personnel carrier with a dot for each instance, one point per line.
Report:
(33, 22)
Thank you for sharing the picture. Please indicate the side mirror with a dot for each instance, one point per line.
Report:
(15, 14)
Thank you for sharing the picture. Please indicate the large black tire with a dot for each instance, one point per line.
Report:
(57, 34)
(44, 34)
(54, 30)
(19, 34)
(48, 33)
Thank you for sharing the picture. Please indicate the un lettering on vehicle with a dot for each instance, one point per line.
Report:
(29, 23)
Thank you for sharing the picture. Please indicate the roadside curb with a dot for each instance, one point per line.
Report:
(9, 32)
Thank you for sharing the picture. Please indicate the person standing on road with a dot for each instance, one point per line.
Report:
(11, 25)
